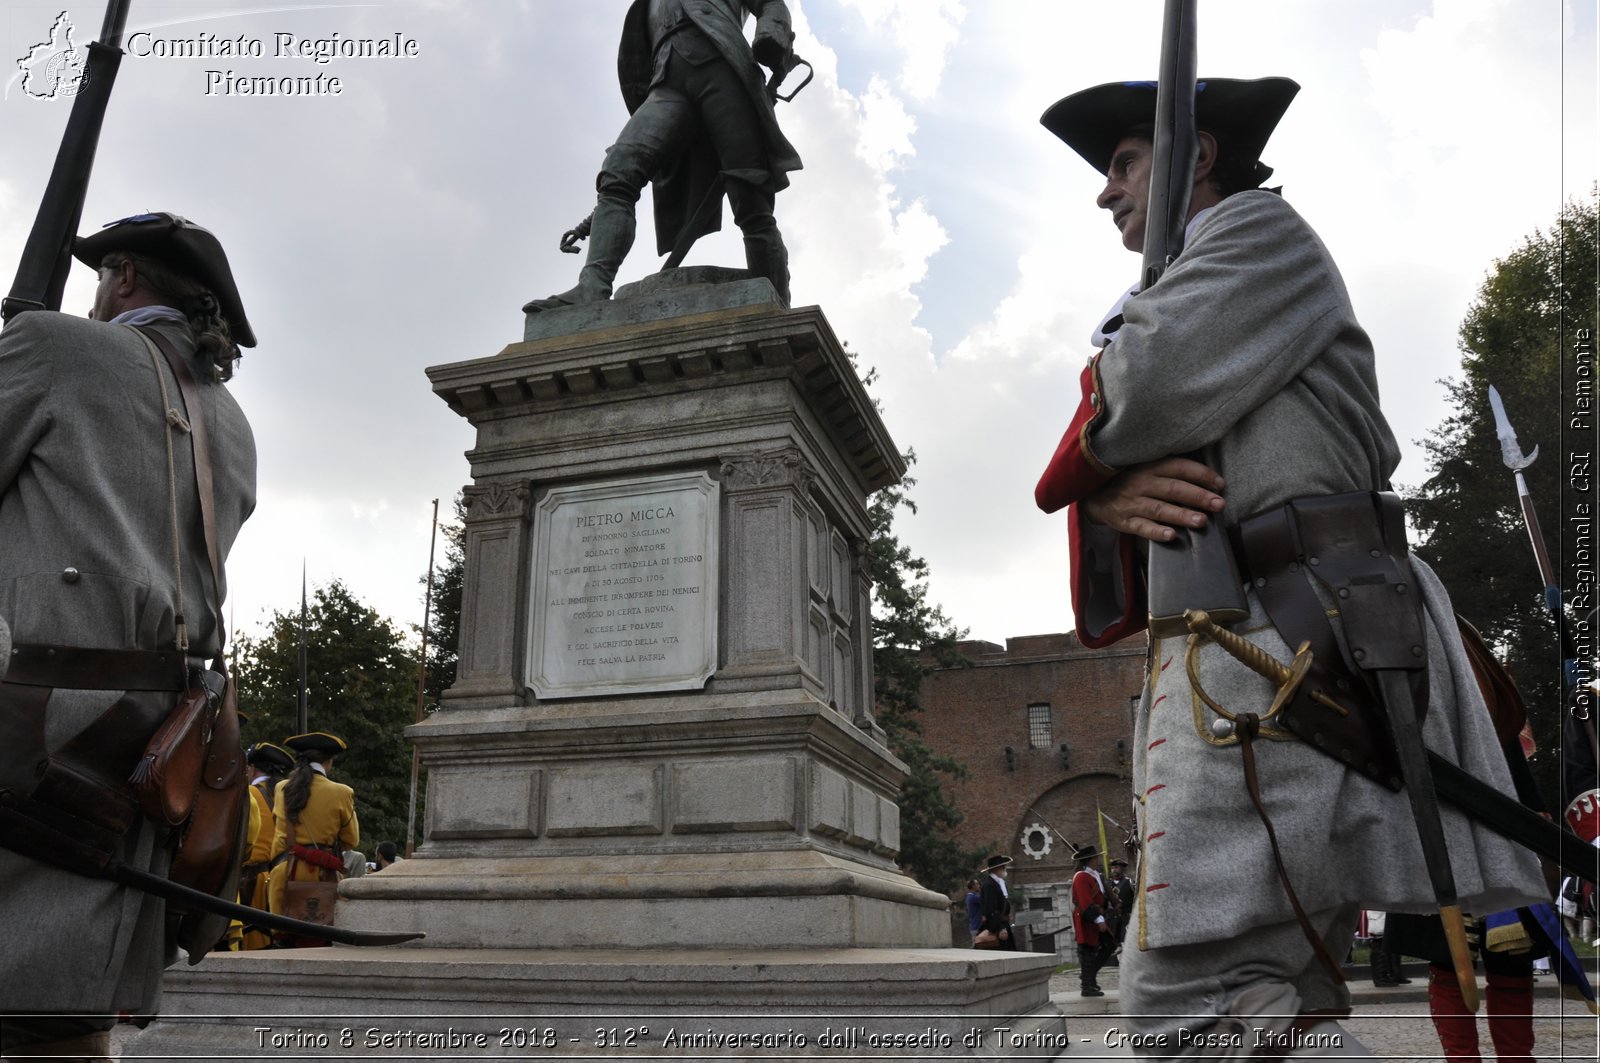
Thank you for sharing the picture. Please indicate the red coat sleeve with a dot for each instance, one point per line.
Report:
(1107, 585)
(1088, 902)
(1074, 472)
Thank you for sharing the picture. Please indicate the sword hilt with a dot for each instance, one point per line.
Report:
(1246, 652)
(1287, 676)
(570, 238)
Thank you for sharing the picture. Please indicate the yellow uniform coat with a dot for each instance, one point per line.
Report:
(329, 820)
(253, 889)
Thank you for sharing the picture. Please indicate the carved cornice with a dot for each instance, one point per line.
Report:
(497, 500)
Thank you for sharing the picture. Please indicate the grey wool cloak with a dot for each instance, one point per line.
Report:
(84, 486)
(1248, 351)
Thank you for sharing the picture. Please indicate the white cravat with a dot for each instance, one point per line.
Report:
(1112, 321)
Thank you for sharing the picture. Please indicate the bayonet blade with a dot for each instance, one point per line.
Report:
(1510, 452)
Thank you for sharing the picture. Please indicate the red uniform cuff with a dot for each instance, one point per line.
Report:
(1074, 472)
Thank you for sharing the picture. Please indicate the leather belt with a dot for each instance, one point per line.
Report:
(81, 668)
(1278, 551)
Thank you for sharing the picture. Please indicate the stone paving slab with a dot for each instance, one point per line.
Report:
(1392, 1022)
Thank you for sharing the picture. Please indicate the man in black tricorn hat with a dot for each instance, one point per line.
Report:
(994, 902)
(1247, 354)
(1090, 928)
(106, 552)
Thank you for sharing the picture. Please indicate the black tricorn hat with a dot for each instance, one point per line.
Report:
(268, 757)
(997, 861)
(1240, 114)
(1088, 852)
(317, 742)
(181, 244)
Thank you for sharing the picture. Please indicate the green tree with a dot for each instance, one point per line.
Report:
(912, 637)
(361, 680)
(1518, 335)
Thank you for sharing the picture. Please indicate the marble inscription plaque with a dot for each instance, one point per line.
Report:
(624, 596)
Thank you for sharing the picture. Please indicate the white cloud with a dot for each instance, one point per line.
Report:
(925, 32)
(883, 137)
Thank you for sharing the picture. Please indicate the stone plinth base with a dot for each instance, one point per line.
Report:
(755, 899)
(750, 821)
(688, 1004)
(669, 294)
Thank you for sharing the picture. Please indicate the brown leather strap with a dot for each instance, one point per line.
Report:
(77, 668)
(295, 860)
(1249, 725)
(1273, 557)
(200, 440)
(288, 853)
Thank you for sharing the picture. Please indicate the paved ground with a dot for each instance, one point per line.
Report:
(1392, 1023)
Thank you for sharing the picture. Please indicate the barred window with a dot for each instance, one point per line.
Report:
(1039, 726)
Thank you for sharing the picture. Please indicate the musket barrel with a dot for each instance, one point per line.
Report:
(116, 19)
(47, 255)
(1175, 145)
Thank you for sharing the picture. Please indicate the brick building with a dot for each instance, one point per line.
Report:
(1045, 728)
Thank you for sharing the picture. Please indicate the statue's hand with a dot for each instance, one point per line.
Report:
(570, 238)
(773, 52)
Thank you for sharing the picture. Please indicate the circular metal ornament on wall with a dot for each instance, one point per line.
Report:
(1037, 840)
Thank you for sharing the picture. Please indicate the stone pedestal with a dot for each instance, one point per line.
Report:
(657, 780)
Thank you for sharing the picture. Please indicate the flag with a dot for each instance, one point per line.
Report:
(1105, 855)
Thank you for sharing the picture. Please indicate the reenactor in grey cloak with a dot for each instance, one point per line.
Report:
(700, 114)
(102, 526)
(1244, 376)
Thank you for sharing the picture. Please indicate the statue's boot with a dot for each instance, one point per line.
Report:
(610, 237)
(764, 253)
(765, 256)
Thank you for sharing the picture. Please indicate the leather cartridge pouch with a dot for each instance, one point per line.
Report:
(214, 838)
(1354, 547)
(313, 900)
(168, 774)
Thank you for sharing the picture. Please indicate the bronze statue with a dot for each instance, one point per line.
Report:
(701, 125)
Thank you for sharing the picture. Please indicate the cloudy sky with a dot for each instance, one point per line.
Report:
(948, 238)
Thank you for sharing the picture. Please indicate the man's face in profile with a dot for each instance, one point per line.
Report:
(1127, 191)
